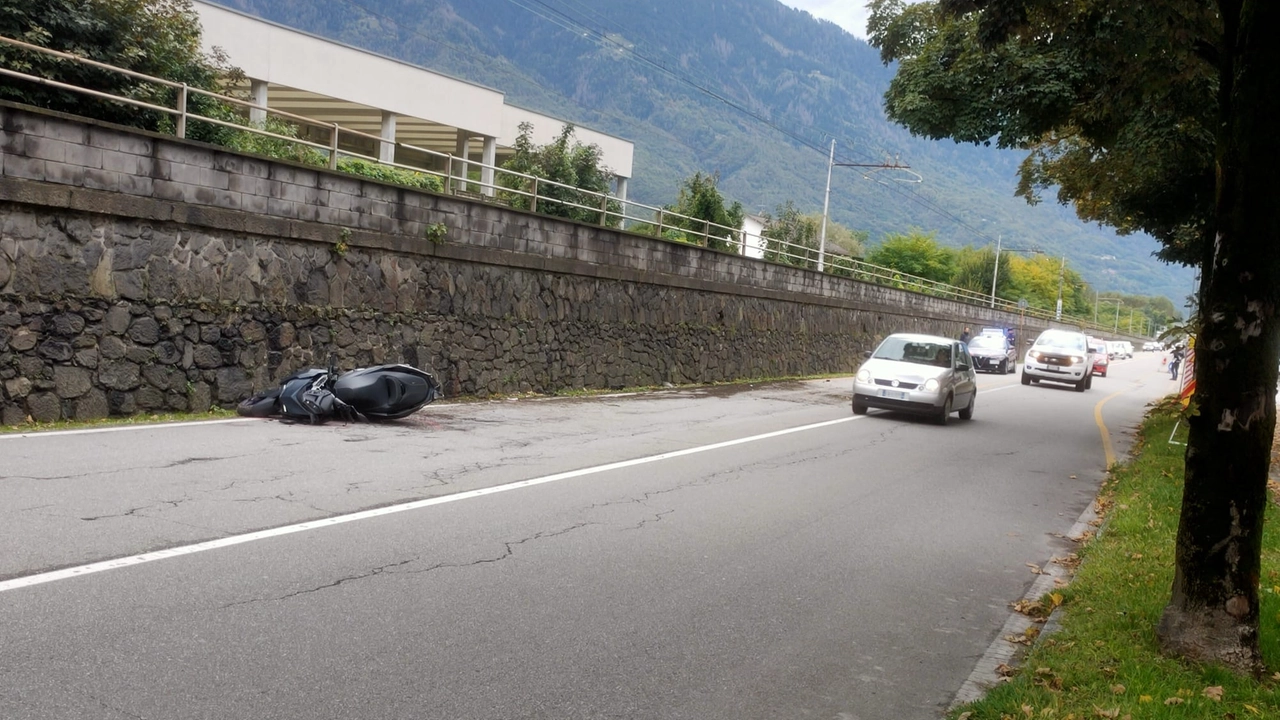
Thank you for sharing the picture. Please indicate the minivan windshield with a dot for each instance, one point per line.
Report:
(921, 352)
(1061, 339)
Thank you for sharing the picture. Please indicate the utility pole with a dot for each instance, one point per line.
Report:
(826, 202)
(1116, 329)
(996, 272)
(1062, 271)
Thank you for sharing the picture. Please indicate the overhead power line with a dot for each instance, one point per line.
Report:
(566, 21)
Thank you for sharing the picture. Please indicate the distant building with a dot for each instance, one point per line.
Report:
(753, 236)
(330, 82)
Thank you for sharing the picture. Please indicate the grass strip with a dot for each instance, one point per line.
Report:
(135, 419)
(1103, 662)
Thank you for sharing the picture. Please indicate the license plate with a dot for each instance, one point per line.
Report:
(894, 394)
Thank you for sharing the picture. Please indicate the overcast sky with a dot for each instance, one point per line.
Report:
(848, 14)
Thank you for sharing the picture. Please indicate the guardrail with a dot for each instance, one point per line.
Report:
(512, 188)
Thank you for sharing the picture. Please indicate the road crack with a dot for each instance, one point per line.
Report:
(509, 549)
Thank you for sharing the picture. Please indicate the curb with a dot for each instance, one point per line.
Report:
(1001, 651)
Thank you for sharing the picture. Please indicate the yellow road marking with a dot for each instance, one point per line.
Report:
(1107, 450)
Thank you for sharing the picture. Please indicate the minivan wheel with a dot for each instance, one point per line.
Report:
(945, 416)
(967, 413)
(1080, 385)
(1026, 379)
(1004, 367)
(859, 408)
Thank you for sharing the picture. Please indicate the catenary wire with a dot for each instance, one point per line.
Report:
(576, 26)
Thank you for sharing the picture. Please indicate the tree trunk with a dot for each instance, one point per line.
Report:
(1212, 615)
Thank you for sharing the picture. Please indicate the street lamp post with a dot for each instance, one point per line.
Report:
(996, 272)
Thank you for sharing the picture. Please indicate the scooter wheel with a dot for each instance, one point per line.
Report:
(259, 406)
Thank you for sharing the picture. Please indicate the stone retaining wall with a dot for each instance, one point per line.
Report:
(188, 276)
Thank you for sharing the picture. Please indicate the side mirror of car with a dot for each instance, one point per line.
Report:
(866, 354)
(963, 367)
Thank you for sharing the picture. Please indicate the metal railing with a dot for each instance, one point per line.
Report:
(513, 188)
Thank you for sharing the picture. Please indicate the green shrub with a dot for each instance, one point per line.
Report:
(387, 173)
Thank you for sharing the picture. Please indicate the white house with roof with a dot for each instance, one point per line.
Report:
(330, 82)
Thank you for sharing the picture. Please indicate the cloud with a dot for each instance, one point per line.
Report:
(848, 14)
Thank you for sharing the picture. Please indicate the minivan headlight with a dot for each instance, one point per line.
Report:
(1034, 355)
(864, 376)
(1076, 359)
(930, 385)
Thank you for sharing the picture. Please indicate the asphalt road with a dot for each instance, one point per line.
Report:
(727, 553)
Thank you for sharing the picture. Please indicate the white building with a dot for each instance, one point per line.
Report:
(330, 82)
(753, 236)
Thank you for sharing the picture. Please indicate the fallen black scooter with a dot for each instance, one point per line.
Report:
(317, 395)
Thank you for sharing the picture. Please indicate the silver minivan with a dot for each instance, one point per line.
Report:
(922, 374)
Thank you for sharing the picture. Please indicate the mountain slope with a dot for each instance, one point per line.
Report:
(750, 89)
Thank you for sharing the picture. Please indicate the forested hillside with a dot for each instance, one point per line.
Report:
(750, 89)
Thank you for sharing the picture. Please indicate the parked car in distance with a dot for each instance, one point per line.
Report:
(1061, 356)
(922, 374)
(992, 352)
(1151, 346)
(1101, 358)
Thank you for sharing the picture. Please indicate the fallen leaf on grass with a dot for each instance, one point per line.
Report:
(1253, 709)
(1136, 556)
(1028, 710)
(965, 716)
(1117, 689)
(1174, 701)
(1035, 568)
(1046, 679)
(1144, 698)
(1004, 670)
(1112, 713)
(1214, 693)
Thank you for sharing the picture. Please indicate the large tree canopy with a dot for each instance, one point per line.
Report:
(1113, 99)
(1153, 116)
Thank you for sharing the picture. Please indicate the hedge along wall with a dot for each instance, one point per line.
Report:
(140, 272)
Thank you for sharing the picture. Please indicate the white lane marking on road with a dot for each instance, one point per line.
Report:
(120, 428)
(132, 560)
